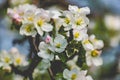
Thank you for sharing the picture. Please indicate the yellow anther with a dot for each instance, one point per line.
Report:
(67, 20)
(28, 28)
(30, 18)
(77, 34)
(79, 10)
(18, 60)
(58, 45)
(40, 23)
(86, 42)
(73, 77)
(7, 59)
(94, 53)
(79, 21)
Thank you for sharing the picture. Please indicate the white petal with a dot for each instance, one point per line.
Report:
(43, 54)
(47, 27)
(66, 74)
(85, 10)
(59, 50)
(89, 78)
(43, 46)
(97, 61)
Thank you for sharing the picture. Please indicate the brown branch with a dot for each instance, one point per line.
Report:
(51, 74)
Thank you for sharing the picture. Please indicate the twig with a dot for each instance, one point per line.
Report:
(51, 74)
(35, 44)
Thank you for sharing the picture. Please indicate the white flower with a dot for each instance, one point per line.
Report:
(13, 14)
(17, 58)
(41, 22)
(28, 29)
(67, 21)
(81, 11)
(55, 13)
(80, 22)
(58, 23)
(88, 46)
(98, 44)
(58, 44)
(5, 61)
(112, 22)
(80, 35)
(5, 58)
(7, 68)
(92, 54)
(19, 13)
(45, 53)
(75, 74)
(21, 9)
(72, 63)
(93, 58)
(43, 66)
(28, 16)
(114, 41)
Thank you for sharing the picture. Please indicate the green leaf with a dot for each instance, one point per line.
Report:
(63, 57)
(59, 76)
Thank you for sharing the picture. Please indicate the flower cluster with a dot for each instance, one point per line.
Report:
(63, 34)
(13, 57)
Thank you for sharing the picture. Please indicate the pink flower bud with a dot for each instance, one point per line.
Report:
(48, 38)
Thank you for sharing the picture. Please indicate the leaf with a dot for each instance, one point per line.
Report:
(59, 76)
(63, 57)
(82, 58)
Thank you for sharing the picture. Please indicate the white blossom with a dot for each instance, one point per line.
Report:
(41, 22)
(88, 46)
(28, 29)
(18, 58)
(58, 44)
(81, 11)
(45, 52)
(112, 22)
(80, 35)
(75, 74)
(93, 58)
(80, 22)
(98, 44)
(72, 63)
(67, 20)
(5, 58)
(5, 61)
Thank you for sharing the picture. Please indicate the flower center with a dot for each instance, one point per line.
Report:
(74, 76)
(77, 34)
(79, 10)
(30, 18)
(28, 28)
(79, 21)
(94, 53)
(58, 45)
(48, 51)
(40, 23)
(67, 20)
(18, 60)
(7, 59)
(86, 42)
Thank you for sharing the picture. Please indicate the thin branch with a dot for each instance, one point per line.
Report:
(34, 40)
(51, 74)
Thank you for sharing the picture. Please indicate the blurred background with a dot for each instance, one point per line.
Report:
(104, 23)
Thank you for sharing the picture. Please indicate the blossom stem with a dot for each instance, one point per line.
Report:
(51, 74)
